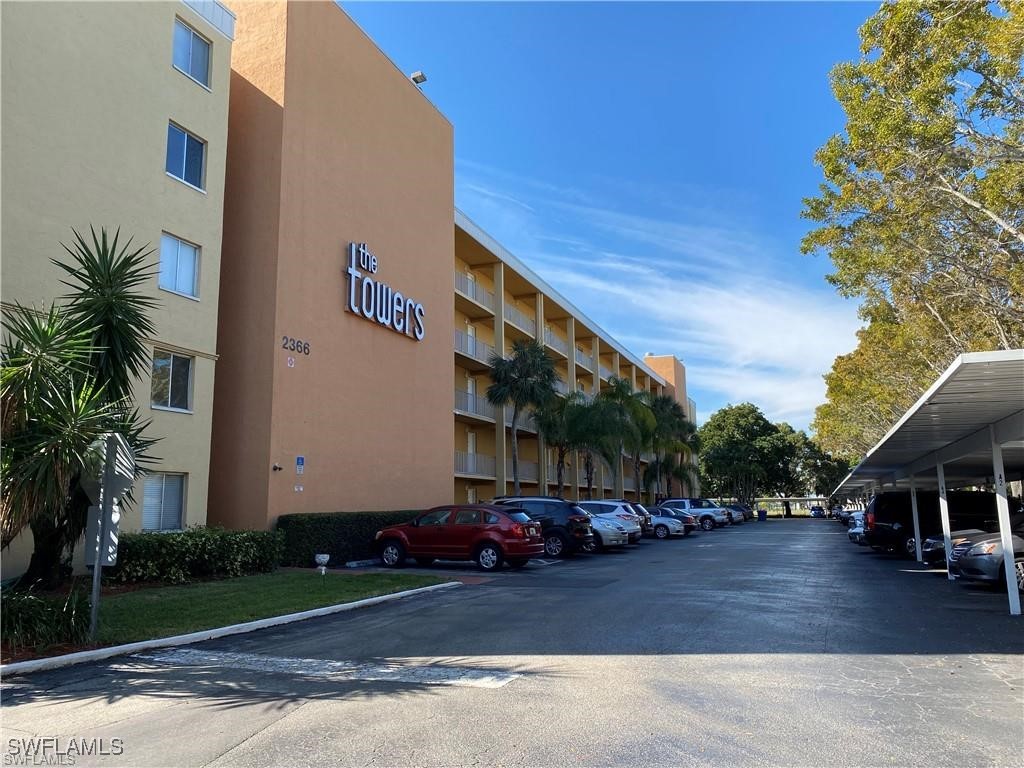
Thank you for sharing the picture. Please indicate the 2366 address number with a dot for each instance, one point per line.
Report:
(295, 345)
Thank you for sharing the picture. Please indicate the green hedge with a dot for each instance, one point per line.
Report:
(32, 621)
(342, 535)
(180, 556)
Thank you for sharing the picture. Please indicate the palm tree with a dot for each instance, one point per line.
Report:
(629, 420)
(66, 378)
(554, 424)
(524, 379)
(674, 434)
(591, 426)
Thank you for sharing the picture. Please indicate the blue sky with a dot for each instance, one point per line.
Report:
(649, 161)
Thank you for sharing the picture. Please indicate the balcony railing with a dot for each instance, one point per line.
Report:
(606, 373)
(629, 483)
(527, 469)
(555, 342)
(475, 404)
(608, 481)
(474, 464)
(562, 387)
(584, 359)
(519, 319)
(472, 347)
(476, 292)
(525, 419)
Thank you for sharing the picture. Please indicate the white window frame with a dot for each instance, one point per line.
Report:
(184, 500)
(202, 172)
(209, 55)
(170, 376)
(199, 261)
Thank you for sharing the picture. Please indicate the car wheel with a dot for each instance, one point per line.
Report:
(517, 563)
(1019, 568)
(555, 545)
(661, 531)
(424, 561)
(392, 554)
(596, 545)
(488, 557)
(707, 524)
(910, 547)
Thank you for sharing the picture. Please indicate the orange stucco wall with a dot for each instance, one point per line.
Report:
(347, 151)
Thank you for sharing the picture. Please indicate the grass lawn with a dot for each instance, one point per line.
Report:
(145, 614)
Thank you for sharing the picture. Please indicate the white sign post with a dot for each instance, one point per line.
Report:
(105, 493)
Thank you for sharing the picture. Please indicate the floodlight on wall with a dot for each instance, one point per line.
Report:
(418, 77)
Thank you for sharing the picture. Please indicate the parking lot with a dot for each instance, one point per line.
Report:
(775, 643)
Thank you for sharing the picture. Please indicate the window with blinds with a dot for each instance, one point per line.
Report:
(163, 501)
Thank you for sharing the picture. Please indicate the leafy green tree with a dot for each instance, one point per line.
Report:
(922, 209)
(740, 453)
(523, 380)
(66, 377)
(592, 426)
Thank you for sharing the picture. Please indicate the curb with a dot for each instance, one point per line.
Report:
(55, 662)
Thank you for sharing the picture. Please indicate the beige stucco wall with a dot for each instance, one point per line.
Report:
(84, 134)
(364, 157)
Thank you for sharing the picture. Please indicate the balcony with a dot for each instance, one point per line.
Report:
(582, 358)
(526, 421)
(557, 344)
(606, 373)
(476, 464)
(473, 348)
(475, 292)
(527, 470)
(561, 387)
(520, 320)
(474, 405)
(629, 483)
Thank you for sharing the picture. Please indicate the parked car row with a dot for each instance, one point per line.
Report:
(976, 549)
(514, 529)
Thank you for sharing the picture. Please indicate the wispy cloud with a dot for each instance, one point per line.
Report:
(675, 280)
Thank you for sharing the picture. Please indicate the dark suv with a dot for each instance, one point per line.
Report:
(889, 520)
(564, 526)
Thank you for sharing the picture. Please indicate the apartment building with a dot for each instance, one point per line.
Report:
(115, 115)
(298, 191)
(498, 300)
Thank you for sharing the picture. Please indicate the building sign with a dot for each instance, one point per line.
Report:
(368, 297)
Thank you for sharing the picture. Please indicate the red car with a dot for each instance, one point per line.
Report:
(488, 534)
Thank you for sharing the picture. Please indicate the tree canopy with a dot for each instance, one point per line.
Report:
(922, 209)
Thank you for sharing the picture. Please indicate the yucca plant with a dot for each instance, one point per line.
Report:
(66, 377)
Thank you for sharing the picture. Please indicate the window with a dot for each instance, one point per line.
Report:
(179, 266)
(172, 381)
(163, 501)
(492, 517)
(191, 53)
(437, 517)
(467, 517)
(185, 155)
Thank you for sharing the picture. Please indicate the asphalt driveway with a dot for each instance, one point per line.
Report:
(773, 643)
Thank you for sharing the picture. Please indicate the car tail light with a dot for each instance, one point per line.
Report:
(869, 520)
(518, 531)
(579, 518)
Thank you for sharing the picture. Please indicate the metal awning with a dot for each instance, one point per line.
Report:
(967, 429)
(952, 424)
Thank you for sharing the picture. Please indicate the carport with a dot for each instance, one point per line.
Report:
(967, 429)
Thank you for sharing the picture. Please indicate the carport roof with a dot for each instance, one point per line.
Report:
(950, 425)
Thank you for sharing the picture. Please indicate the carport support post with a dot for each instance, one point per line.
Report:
(917, 521)
(1003, 513)
(944, 514)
